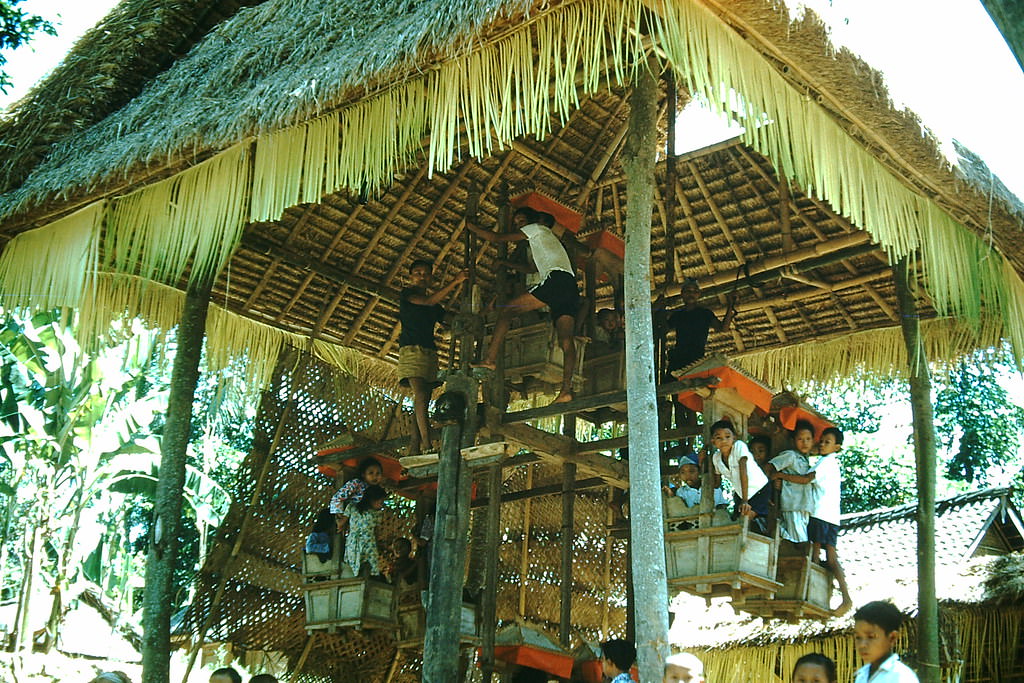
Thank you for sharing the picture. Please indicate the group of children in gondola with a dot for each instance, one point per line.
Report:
(809, 498)
(352, 519)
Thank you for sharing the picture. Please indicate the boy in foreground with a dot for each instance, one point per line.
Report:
(683, 667)
(875, 629)
(617, 657)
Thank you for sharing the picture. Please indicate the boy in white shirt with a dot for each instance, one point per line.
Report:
(557, 289)
(876, 626)
(733, 461)
(823, 527)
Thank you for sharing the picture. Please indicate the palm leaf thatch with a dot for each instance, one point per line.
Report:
(351, 110)
(1005, 582)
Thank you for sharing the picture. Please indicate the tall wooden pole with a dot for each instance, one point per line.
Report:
(647, 541)
(489, 603)
(567, 537)
(449, 545)
(924, 449)
(163, 546)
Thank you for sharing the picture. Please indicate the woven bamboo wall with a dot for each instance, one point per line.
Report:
(262, 608)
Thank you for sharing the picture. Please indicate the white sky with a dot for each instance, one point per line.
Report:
(943, 59)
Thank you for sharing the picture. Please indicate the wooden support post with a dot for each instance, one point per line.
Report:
(162, 557)
(567, 538)
(448, 557)
(524, 555)
(929, 669)
(305, 654)
(647, 540)
(489, 603)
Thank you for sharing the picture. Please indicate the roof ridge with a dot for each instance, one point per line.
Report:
(900, 511)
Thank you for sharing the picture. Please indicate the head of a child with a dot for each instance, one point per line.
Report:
(608, 319)
(690, 292)
(373, 498)
(689, 471)
(803, 436)
(814, 668)
(225, 675)
(401, 547)
(545, 219)
(524, 215)
(263, 678)
(617, 656)
(761, 449)
(876, 626)
(831, 441)
(370, 471)
(723, 436)
(683, 667)
(421, 273)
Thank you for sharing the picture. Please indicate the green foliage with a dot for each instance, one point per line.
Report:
(855, 405)
(872, 479)
(16, 28)
(976, 420)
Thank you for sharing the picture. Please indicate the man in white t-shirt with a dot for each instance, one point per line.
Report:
(557, 289)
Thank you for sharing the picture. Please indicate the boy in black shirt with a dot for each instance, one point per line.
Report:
(692, 324)
(419, 313)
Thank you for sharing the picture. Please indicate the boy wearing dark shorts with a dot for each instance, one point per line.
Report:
(823, 526)
(557, 289)
(418, 313)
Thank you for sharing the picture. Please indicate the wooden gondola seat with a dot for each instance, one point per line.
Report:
(357, 602)
(533, 356)
(722, 560)
(806, 590)
(412, 619)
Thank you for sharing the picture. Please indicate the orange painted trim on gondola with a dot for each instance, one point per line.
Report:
(728, 379)
(555, 663)
(790, 415)
(568, 218)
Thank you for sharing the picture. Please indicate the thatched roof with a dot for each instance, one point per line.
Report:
(402, 107)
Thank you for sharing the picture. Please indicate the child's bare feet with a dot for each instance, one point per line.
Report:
(563, 397)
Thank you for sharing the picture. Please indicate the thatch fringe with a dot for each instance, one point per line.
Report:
(51, 267)
(194, 217)
(879, 352)
(498, 91)
(230, 337)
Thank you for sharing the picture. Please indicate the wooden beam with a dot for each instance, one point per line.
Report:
(332, 273)
(558, 448)
(608, 398)
(617, 442)
(539, 491)
(567, 537)
(547, 162)
(489, 599)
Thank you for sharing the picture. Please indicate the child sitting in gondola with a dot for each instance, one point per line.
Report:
(689, 479)
(761, 448)
(793, 470)
(404, 567)
(732, 460)
(361, 553)
(369, 473)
